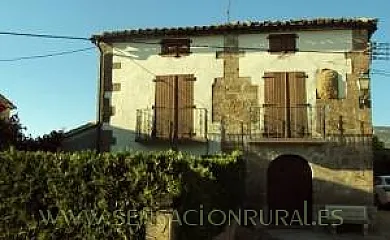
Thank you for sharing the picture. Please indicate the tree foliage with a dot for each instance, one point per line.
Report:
(377, 144)
(12, 134)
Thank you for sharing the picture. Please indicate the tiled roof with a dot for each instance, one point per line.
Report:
(8, 103)
(245, 27)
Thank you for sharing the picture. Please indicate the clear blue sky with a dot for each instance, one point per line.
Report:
(60, 92)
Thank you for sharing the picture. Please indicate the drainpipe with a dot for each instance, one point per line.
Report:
(100, 93)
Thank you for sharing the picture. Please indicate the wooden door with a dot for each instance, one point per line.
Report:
(274, 104)
(290, 190)
(299, 110)
(163, 107)
(167, 95)
(186, 106)
(285, 109)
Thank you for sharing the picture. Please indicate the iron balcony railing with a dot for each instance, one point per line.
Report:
(298, 121)
(166, 124)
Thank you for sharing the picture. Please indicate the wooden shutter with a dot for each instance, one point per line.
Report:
(274, 107)
(298, 104)
(163, 108)
(289, 42)
(275, 43)
(282, 42)
(186, 106)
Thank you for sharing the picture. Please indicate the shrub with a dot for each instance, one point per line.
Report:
(86, 195)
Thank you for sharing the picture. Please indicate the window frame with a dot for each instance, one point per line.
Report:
(175, 47)
(284, 43)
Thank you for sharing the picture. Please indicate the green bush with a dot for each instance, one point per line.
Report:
(91, 196)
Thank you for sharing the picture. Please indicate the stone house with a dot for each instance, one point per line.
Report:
(294, 95)
(6, 106)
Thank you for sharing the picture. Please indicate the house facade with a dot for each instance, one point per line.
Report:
(293, 95)
(6, 106)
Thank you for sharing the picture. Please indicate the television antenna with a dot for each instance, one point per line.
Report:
(228, 11)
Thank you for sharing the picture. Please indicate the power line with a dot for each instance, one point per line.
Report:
(153, 74)
(382, 74)
(247, 48)
(45, 36)
(46, 55)
(380, 71)
(50, 36)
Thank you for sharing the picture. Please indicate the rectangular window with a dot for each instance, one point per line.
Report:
(282, 43)
(175, 47)
(174, 106)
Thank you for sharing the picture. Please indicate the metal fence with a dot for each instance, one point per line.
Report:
(161, 123)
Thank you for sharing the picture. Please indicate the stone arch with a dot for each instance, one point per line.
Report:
(290, 190)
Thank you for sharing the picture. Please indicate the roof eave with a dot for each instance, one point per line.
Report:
(252, 27)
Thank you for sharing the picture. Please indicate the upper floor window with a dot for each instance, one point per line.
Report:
(282, 42)
(175, 47)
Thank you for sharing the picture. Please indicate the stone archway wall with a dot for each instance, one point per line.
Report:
(341, 174)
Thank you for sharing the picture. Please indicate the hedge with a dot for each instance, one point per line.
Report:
(106, 196)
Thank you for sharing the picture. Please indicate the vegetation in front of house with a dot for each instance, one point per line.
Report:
(106, 196)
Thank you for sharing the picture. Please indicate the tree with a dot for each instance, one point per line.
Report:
(377, 144)
(11, 134)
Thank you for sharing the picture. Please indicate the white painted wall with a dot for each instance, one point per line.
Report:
(141, 63)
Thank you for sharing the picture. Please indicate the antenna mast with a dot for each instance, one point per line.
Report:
(228, 11)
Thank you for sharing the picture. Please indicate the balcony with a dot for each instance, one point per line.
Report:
(164, 125)
(286, 122)
(298, 124)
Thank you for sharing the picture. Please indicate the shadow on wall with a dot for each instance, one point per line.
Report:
(327, 155)
(324, 190)
(125, 140)
(342, 186)
(143, 53)
(121, 139)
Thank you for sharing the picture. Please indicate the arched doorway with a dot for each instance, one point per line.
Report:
(290, 191)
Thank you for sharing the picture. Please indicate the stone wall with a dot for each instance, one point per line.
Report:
(346, 114)
(342, 173)
(232, 95)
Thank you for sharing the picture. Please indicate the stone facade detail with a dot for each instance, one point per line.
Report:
(342, 173)
(345, 115)
(233, 96)
(105, 137)
(327, 84)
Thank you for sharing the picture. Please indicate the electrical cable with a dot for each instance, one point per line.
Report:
(45, 36)
(381, 74)
(47, 55)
